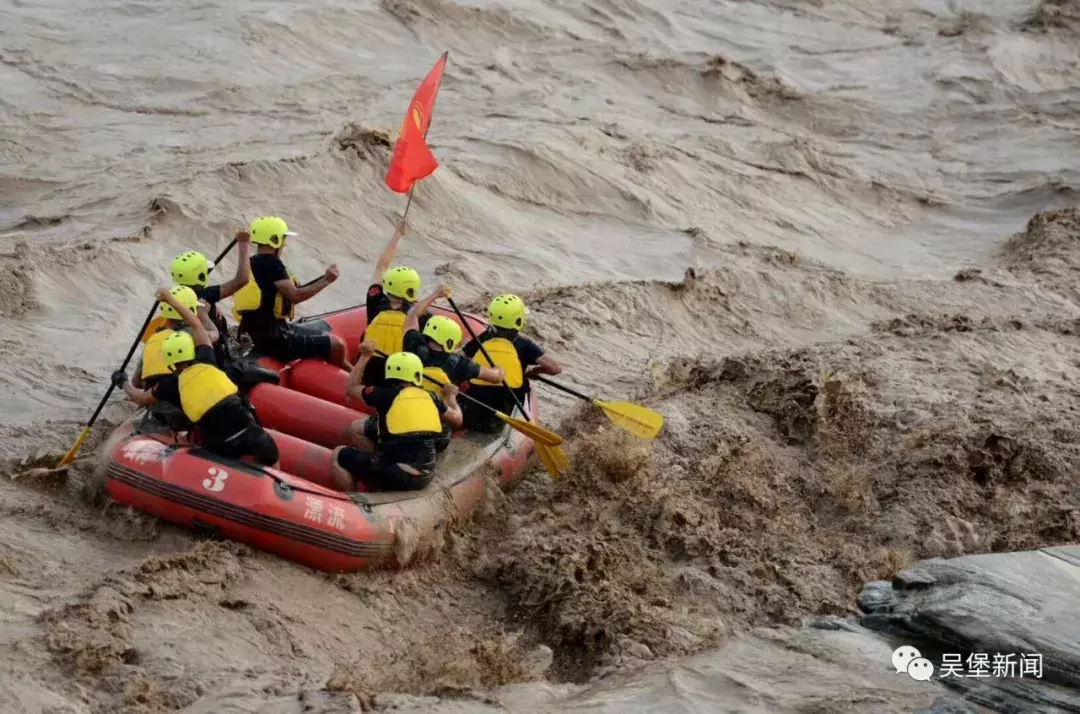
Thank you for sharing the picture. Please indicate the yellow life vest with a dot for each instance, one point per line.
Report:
(153, 356)
(505, 355)
(435, 373)
(387, 331)
(202, 387)
(249, 299)
(412, 412)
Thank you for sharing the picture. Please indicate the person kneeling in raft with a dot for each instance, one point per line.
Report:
(437, 348)
(151, 368)
(400, 454)
(390, 296)
(514, 352)
(266, 304)
(192, 270)
(205, 394)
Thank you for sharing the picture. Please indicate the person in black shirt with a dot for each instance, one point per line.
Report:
(520, 357)
(265, 304)
(192, 269)
(400, 453)
(208, 398)
(149, 366)
(437, 348)
(391, 294)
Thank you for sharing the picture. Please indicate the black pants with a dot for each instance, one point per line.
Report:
(380, 474)
(293, 342)
(230, 430)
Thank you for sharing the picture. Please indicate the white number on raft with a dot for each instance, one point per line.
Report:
(217, 483)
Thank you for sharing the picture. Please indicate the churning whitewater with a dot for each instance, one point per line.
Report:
(833, 244)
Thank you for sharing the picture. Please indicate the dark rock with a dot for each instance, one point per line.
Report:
(912, 580)
(947, 705)
(875, 596)
(1009, 603)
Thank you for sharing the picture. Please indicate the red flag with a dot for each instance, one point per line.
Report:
(412, 159)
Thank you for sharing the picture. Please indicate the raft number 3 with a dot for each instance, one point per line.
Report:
(216, 482)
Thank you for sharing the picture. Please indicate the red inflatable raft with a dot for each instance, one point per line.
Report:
(293, 511)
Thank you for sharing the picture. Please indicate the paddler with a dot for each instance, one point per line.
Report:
(391, 294)
(151, 367)
(398, 454)
(208, 398)
(520, 358)
(192, 269)
(437, 348)
(265, 304)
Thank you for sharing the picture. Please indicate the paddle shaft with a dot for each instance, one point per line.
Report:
(138, 339)
(484, 351)
(568, 390)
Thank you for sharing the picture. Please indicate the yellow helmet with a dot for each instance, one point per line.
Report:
(190, 268)
(178, 348)
(185, 296)
(401, 282)
(507, 311)
(404, 366)
(269, 230)
(444, 331)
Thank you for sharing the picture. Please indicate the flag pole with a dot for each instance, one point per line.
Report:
(431, 118)
(408, 202)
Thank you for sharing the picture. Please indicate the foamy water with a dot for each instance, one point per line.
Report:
(595, 142)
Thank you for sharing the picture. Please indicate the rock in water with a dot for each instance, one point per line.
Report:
(1023, 604)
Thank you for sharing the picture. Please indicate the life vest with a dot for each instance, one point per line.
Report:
(387, 331)
(153, 356)
(202, 387)
(249, 299)
(435, 373)
(505, 355)
(412, 412)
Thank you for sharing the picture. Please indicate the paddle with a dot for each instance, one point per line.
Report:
(555, 463)
(634, 418)
(70, 455)
(533, 431)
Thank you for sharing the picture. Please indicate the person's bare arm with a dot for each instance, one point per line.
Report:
(295, 294)
(243, 267)
(412, 320)
(354, 390)
(202, 337)
(545, 365)
(207, 323)
(142, 397)
(387, 256)
(494, 375)
(452, 415)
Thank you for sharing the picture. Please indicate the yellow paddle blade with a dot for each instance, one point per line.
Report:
(558, 457)
(70, 455)
(554, 460)
(534, 431)
(156, 324)
(546, 458)
(634, 418)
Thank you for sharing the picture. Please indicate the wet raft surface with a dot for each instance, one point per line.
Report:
(461, 459)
